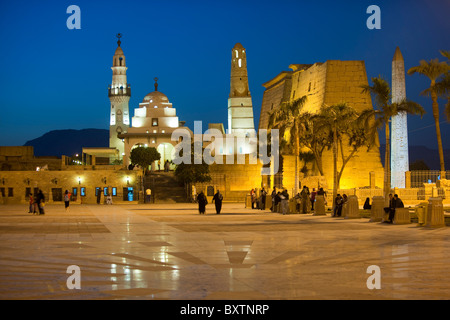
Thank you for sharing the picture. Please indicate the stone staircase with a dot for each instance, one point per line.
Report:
(165, 188)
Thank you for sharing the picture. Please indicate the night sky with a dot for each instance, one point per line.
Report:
(55, 78)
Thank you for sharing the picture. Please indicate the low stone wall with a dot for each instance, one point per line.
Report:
(14, 185)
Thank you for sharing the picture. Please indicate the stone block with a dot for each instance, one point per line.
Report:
(319, 206)
(292, 206)
(352, 211)
(402, 216)
(377, 210)
(435, 213)
(421, 212)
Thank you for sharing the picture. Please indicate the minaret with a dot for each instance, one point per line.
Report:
(399, 126)
(119, 93)
(240, 108)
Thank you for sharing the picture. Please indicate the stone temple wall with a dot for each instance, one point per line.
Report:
(326, 84)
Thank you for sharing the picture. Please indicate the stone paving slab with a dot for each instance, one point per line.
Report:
(171, 252)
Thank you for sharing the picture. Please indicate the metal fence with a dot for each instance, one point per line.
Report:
(418, 178)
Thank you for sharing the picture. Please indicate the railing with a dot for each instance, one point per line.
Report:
(418, 178)
(119, 91)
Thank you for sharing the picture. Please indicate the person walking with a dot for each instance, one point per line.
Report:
(35, 204)
(31, 202)
(253, 197)
(99, 195)
(313, 198)
(263, 199)
(40, 200)
(202, 202)
(148, 195)
(217, 199)
(66, 200)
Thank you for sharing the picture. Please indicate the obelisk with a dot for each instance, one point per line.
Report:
(399, 126)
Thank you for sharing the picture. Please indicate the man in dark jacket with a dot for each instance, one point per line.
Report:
(396, 203)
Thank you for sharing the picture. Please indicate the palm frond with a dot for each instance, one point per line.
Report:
(432, 69)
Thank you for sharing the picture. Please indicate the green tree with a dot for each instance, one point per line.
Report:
(144, 157)
(187, 173)
(380, 116)
(287, 119)
(443, 86)
(339, 121)
(433, 69)
(313, 138)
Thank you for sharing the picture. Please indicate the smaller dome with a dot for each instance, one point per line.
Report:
(155, 97)
(238, 46)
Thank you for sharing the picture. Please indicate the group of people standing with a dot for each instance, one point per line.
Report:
(339, 202)
(166, 166)
(36, 203)
(304, 199)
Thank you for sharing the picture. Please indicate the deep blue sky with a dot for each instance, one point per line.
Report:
(55, 78)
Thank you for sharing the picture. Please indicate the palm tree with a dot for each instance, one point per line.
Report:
(374, 119)
(433, 69)
(337, 119)
(287, 119)
(443, 86)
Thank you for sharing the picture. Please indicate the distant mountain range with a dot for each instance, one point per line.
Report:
(70, 142)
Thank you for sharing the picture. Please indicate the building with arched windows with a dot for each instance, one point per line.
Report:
(153, 123)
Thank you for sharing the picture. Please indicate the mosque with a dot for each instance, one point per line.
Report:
(155, 120)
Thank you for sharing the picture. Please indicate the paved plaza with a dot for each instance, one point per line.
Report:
(169, 251)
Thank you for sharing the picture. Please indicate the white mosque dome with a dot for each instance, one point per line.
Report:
(155, 97)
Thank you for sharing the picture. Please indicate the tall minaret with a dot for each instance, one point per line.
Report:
(240, 108)
(399, 126)
(119, 93)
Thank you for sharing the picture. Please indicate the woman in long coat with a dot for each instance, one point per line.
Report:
(217, 199)
(202, 202)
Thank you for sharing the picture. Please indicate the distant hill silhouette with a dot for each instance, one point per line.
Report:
(68, 142)
(429, 156)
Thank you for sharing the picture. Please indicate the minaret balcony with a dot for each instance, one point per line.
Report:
(119, 91)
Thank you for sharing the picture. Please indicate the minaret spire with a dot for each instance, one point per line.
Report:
(119, 93)
(240, 108)
(399, 125)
